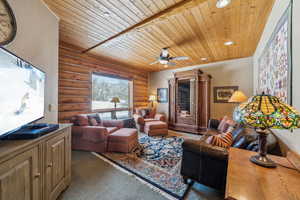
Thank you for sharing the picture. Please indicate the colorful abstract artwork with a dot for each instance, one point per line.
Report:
(274, 64)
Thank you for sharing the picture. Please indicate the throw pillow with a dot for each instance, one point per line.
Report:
(82, 120)
(96, 117)
(145, 112)
(223, 125)
(221, 140)
(93, 121)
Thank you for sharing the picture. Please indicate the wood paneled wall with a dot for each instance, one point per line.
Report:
(75, 71)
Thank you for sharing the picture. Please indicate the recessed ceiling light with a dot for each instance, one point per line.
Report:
(228, 43)
(222, 3)
(204, 59)
(105, 14)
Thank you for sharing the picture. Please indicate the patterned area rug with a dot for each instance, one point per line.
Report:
(158, 163)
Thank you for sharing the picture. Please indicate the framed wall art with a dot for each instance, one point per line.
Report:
(223, 94)
(275, 62)
(162, 95)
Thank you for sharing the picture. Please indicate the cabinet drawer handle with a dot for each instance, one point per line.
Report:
(37, 175)
(50, 165)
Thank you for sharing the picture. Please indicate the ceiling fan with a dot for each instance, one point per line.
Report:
(165, 58)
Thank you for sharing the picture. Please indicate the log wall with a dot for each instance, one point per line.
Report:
(75, 72)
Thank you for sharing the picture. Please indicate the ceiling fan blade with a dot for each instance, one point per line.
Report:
(171, 64)
(155, 62)
(180, 58)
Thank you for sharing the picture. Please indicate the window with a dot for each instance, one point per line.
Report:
(105, 87)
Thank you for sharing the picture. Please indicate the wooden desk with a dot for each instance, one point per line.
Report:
(247, 181)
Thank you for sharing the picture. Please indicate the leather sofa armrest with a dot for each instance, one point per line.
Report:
(160, 117)
(90, 133)
(113, 123)
(201, 147)
(138, 119)
(213, 124)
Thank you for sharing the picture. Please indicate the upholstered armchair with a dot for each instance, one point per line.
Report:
(144, 114)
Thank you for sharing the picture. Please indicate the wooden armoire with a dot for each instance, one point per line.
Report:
(189, 101)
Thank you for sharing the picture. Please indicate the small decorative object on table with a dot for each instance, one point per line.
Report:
(263, 112)
(114, 100)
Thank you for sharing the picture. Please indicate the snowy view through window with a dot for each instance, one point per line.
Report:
(105, 88)
(22, 92)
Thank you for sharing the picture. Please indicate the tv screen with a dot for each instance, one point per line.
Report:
(22, 88)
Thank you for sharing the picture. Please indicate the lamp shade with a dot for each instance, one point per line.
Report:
(238, 97)
(152, 98)
(266, 111)
(115, 100)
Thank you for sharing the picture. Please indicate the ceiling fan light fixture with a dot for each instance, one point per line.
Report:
(164, 62)
(228, 43)
(222, 3)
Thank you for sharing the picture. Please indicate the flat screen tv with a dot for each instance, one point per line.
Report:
(22, 88)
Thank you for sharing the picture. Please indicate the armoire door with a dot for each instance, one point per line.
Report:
(20, 177)
(57, 161)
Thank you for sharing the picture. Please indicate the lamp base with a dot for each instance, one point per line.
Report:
(263, 161)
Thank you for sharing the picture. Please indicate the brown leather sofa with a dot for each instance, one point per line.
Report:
(143, 115)
(90, 133)
(207, 164)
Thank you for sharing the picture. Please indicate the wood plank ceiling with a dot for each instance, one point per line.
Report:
(197, 30)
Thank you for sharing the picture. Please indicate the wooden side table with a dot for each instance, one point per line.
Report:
(247, 181)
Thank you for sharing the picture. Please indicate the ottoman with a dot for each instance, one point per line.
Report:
(154, 128)
(123, 140)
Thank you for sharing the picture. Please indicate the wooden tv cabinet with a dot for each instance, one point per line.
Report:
(37, 169)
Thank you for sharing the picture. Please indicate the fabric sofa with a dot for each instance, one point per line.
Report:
(207, 164)
(90, 133)
(143, 115)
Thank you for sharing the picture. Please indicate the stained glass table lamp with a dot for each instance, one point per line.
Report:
(264, 112)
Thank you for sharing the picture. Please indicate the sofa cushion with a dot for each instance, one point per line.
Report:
(111, 129)
(93, 121)
(96, 117)
(81, 120)
(146, 112)
(221, 140)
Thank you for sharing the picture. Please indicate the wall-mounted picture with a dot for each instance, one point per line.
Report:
(274, 64)
(162, 95)
(223, 94)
